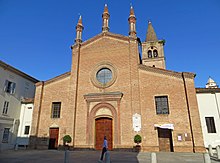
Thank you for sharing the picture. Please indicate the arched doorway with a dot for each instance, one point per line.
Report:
(103, 127)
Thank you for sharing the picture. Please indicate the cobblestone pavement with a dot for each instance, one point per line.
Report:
(54, 156)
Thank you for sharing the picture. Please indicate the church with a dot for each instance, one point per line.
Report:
(113, 91)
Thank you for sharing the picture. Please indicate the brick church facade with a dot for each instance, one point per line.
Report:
(112, 91)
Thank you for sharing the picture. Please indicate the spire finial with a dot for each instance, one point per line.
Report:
(79, 29)
(80, 20)
(132, 23)
(106, 8)
(131, 10)
(105, 19)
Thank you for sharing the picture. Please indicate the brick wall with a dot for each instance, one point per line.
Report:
(137, 87)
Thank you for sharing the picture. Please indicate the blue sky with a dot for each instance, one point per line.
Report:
(36, 35)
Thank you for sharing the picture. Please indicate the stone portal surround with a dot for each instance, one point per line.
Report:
(105, 100)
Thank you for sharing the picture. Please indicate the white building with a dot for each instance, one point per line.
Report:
(25, 122)
(14, 86)
(209, 102)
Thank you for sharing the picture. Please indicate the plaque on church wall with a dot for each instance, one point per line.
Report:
(179, 137)
(137, 122)
(187, 137)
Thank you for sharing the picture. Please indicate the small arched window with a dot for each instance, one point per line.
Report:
(149, 54)
(155, 53)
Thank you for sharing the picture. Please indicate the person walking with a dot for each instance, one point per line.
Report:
(104, 147)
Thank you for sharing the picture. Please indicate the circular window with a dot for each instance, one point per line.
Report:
(104, 75)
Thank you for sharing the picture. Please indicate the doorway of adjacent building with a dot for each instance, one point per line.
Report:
(165, 140)
(53, 141)
(103, 127)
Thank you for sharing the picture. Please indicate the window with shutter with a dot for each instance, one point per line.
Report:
(26, 130)
(210, 123)
(9, 87)
(5, 135)
(13, 88)
(5, 108)
(6, 85)
(161, 103)
(56, 106)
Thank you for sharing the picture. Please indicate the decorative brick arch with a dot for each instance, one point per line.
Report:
(91, 122)
(103, 105)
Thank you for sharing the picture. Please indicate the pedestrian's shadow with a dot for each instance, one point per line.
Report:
(120, 157)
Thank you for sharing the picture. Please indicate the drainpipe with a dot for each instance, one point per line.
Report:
(188, 109)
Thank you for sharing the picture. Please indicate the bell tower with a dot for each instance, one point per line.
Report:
(152, 49)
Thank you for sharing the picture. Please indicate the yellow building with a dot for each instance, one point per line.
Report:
(111, 90)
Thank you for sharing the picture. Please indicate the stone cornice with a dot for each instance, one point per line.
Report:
(207, 90)
(62, 76)
(153, 59)
(18, 72)
(167, 72)
(6, 118)
(27, 100)
(106, 96)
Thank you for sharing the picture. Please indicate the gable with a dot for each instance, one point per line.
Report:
(167, 73)
(105, 48)
(103, 35)
(55, 79)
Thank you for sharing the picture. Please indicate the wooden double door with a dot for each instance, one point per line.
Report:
(53, 140)
(165, 140)
(103, 127)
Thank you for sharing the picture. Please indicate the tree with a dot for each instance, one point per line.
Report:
(137, 139)
(67, 139)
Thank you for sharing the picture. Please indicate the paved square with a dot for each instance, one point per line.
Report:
(54, 156)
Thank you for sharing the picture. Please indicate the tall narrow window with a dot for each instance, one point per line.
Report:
(155, 53)
(162, 105)
(9, 87)
(5, 108)
(210, 123)
(26, 130)
(149, 54)
(5, 135)
(56, 106)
